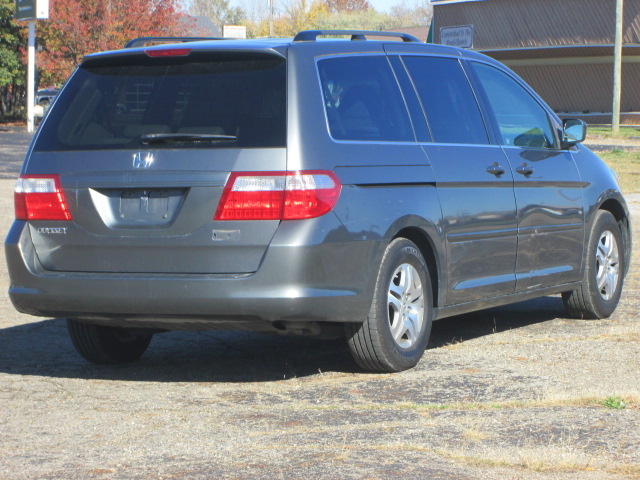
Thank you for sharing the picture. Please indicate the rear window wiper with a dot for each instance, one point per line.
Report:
(154, 138)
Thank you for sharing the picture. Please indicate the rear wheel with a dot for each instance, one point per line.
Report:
(396, 332)
(107, 345)
(599, 293)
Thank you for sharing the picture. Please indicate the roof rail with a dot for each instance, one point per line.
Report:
(312, 35)
(146, 41)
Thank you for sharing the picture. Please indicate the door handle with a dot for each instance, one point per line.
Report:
(525, 169)
(496, 169)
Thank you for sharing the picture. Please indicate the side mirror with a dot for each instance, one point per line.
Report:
(573, 131)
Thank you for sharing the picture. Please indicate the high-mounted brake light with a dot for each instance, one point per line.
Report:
(278, 195)
(168, 52)
(39, 197)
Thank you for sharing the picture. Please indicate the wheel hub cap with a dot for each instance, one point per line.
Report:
(607, 265)
(406, 305)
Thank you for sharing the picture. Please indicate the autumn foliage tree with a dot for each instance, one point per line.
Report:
(339, 6)
(78, 27)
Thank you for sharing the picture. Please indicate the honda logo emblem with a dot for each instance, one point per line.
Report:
(142, 160)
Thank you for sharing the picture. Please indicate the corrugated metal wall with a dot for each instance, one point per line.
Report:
(569, 79)
(582, 88)
(519, 23)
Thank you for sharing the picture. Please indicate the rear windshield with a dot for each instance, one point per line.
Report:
(200, 100)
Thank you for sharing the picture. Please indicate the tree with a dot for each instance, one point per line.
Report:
(406, 14)
(219, 11)
(358, 20)
(78, 27)
(298, 15)
(339, 6)
(12, 71)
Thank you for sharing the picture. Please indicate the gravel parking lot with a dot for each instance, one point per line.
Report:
(518, 392)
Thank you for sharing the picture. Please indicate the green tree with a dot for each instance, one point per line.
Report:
(12, 71)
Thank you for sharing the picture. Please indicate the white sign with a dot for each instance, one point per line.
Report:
(32, 9)
(234, 31)
(461, 36)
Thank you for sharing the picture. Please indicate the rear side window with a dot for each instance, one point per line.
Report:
(199, 100)
(521, 120)
(363, 100)
(449, 103)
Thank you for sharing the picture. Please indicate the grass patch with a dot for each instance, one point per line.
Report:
(609, 402)
(632, 401)
(615, 403)
(627, 167)
(548, 459)
(605, 132)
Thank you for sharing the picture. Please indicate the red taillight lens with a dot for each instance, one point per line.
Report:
(168, 52)
(39, 197)
(252, 196)
(278, 195)
(310, 194)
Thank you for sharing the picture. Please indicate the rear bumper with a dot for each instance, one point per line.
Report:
(317, 281)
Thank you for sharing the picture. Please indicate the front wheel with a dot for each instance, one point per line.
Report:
(599, 293)
(107, 345)
(396, 332)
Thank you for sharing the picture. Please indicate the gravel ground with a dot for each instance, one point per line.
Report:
(508, 393)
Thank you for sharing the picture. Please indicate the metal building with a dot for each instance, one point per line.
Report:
(562, 48)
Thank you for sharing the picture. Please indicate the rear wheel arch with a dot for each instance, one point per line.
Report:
(428, 251)
(395, 334)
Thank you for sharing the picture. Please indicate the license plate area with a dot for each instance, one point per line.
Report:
(138, 208)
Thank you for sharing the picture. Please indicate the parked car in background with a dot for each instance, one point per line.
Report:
(352, 187)
(44, 97)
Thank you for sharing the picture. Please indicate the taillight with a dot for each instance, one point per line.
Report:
(39, 197)
(310, 194)
(278, 195)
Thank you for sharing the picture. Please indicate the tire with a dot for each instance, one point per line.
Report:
(599, 293)
(107, 345)
(396, 332)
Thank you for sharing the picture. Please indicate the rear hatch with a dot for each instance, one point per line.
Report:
(142, 145)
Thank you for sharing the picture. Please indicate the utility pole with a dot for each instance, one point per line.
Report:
(30, 10)
(31, 76)
(271, 18)
(617, 68)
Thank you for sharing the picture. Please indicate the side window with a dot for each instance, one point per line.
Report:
(522, 121)
(447, 99)
(362, 100)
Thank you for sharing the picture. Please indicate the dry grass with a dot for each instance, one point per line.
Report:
(627, 167)
(632, 401)
(552, 458)
(596, 133)
(625, 163)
